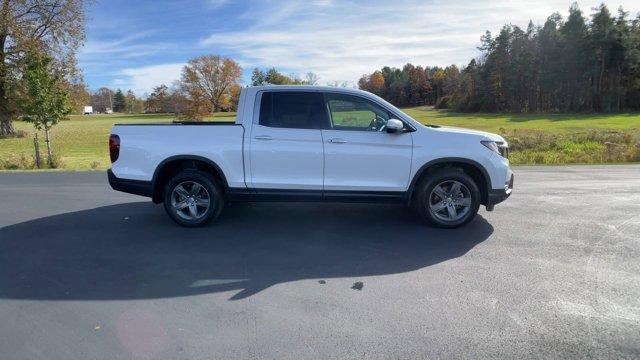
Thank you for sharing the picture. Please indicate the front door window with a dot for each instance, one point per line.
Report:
(355, 113)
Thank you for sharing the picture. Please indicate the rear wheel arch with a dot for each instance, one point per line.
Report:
(171, 166)
(470, 167)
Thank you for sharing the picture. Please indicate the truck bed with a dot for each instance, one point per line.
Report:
(143, 147)
(202, 123)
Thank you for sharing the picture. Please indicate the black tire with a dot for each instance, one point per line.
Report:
(187, 178)
(425, 190)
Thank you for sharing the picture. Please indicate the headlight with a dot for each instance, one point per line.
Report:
(498, 147)
(491, 145)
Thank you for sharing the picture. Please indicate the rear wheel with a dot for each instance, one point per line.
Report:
(193, 198)
(448, 198)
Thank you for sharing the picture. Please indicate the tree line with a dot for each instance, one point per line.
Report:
(105, 99)
(274, 77)
(566, 65)
(208, 84)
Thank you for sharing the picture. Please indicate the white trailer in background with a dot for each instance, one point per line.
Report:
(88, 110)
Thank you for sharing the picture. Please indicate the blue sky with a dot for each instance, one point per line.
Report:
(139, 44)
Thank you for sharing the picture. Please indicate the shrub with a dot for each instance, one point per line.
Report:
(18, 134)
(18, 162)
(442, 103)
(55, 162)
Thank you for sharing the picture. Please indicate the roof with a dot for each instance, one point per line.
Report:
(309, 87)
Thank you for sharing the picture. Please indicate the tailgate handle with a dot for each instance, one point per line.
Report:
(337, 141)
(263, 137)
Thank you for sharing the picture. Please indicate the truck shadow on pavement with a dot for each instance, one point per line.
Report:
(134, 251)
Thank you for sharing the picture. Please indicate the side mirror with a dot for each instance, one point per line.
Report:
(394, 126)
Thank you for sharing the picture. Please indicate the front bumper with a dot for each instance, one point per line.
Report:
(496, 196)
(136, 187)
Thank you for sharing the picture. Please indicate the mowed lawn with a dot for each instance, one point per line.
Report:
(555, 123)
(82, 141)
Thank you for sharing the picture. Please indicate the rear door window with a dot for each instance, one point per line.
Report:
(293, 109)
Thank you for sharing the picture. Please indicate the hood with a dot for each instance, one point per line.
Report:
(485, 135)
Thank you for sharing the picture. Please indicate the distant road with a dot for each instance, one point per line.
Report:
(87, 272)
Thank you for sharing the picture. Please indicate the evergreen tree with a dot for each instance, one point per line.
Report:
(603, 44)
(550, 69)
(257, 77)
(119, 103)
(574, 61)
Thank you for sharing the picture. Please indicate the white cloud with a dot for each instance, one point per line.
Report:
(142, 79)
(214, 4)
(125, 47)
(341, 40)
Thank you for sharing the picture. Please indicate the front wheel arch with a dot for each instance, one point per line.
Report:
(470, 167)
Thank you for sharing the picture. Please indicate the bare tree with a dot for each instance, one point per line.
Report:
(102, 100)
(55, 27)
(210, 77)
(311, 78)
(336, 83)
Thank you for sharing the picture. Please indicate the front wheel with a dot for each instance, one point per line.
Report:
(448, 198)
(193, 198)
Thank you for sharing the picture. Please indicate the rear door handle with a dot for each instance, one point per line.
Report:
(337, 141)
(263, 137)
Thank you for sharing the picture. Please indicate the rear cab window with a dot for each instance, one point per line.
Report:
(293, 109)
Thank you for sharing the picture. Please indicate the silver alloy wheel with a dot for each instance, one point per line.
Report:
(190, 200)
(450, 200)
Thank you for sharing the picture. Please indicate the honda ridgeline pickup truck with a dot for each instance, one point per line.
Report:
(311, 143)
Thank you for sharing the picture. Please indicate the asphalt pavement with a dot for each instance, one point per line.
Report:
(553, 272)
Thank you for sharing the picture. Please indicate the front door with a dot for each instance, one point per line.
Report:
(286, 150)
(359, 155)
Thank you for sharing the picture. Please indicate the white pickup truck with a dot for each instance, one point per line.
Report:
(310, 143)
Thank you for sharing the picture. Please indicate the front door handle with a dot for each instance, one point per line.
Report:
(263, 137)
(337, 141)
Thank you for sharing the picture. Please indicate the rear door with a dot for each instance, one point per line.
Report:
(286, 149)
(359, 155)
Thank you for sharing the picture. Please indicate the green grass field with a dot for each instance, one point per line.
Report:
(555, 123)
(81, 141)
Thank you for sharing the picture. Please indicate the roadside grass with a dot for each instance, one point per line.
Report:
(579, 147)
(551, 139)
(81, 141)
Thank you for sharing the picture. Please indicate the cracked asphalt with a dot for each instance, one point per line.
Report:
(553, 272)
